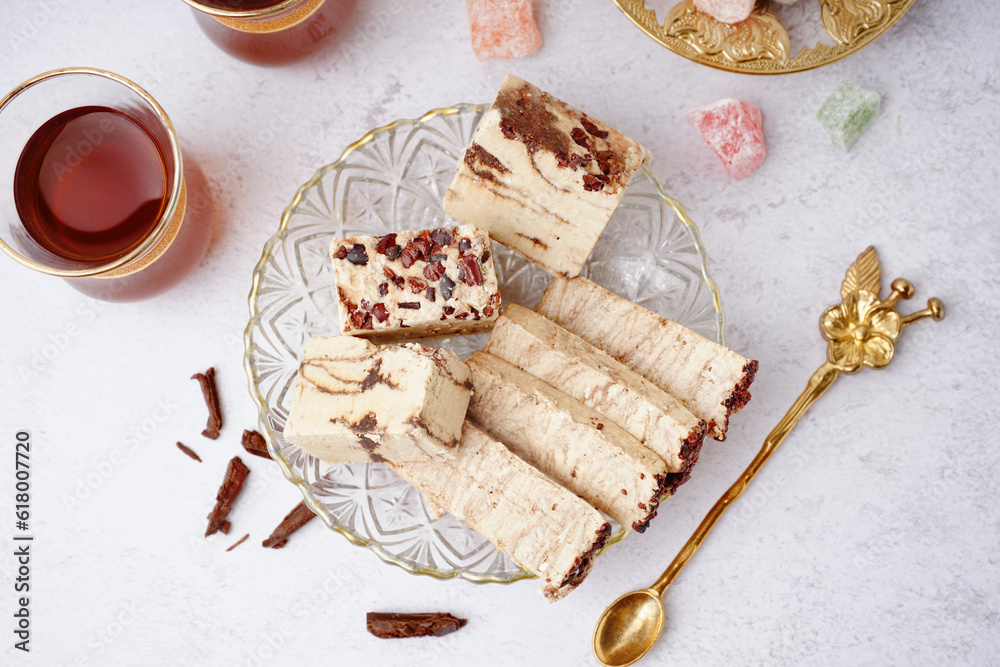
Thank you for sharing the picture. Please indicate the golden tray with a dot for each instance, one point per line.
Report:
(760, 44)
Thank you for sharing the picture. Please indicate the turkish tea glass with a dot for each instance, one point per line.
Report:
(273, 32)
(178, 231)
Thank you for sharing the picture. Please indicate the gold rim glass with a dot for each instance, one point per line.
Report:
(245, 14)
(27, 107)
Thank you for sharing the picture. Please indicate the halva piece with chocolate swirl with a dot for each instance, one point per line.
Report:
(413, 284)
(572, 365)
(544, 527)
(710, 380)
(542, 177)
(576, 446)
(355, 401)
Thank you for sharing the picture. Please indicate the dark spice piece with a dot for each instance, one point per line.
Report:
(397, 626)
(605, 161)
(384, 243)
(358, 255)
(239, 542)
(449, 310)
(398, 281)
(464, 246)
(236, 475)
(594, 183)
(592, 128)
(409, 256)
(417, 285)
(431, 294)
(383, 289)
(422, 246)
(442, 237)
(491, 306)
(341, 253)
(410, 305)
(469, 266)
(434, 271)
(254, 443)
(211, 394)
(486, 256)
(187, 450)
(380, 312)
(437, 257)
(298, 517)
(392, 252)
(446, 285)
(580, 137)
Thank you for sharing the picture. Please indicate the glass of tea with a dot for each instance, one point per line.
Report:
(94, 186)
(273, 32)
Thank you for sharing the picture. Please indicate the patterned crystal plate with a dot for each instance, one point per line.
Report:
(394, 178)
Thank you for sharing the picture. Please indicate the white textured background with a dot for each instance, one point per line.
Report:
(873, 537)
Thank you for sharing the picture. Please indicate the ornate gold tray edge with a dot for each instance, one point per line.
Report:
(760, 44)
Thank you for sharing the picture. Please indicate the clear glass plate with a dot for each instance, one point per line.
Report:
(394, 178)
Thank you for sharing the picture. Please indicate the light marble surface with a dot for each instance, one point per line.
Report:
(872, 538)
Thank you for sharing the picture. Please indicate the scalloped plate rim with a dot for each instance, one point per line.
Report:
(248, 339)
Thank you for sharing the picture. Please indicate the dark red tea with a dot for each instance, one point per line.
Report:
(269, 45)
(90, 184)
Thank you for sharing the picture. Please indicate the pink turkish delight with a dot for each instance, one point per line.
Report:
(733, 129)
(726, 11)
(503, 28)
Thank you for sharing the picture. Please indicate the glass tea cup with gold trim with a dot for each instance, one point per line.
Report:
(273, 32)
(94, 186)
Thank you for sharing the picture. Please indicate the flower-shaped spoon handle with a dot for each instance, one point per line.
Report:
(860, 332)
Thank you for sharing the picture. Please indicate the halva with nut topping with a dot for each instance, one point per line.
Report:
(542, 177)
(412, 284)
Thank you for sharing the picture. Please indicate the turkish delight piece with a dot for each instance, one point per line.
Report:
(710, 380)
(572, 365)
(726, 11)
(847, 113)
(575, 445)
(733, 129)
(544, 527)
(355, 401)
(542, 177)
(414, 284)
(503, 28)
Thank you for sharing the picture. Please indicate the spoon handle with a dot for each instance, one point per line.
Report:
(821, 380)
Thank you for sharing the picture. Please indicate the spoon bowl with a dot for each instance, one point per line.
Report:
(628, 628)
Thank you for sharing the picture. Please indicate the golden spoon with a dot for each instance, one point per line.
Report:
(860, 332)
